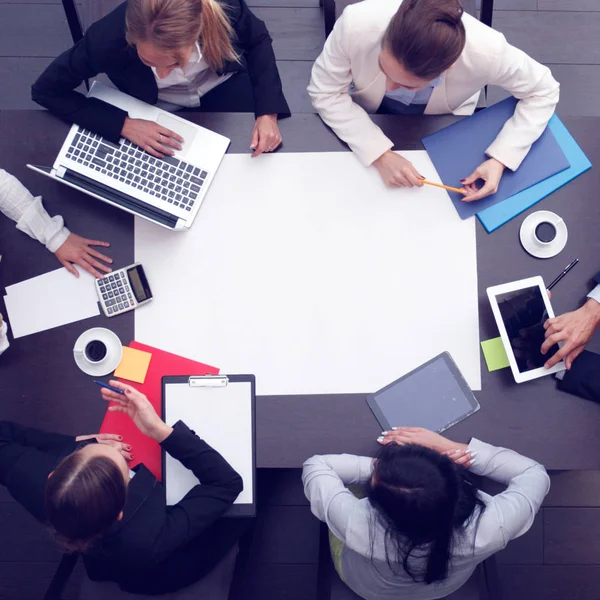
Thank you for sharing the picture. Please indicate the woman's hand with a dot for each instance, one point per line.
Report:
(109, 439)
(138, 407)
(265, 135)
(459, 453)
(491, 172)
(396, 171)
(574, 329)
(151, 137)
(77, 250)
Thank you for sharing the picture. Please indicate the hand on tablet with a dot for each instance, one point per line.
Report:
(574, 329)
(459, 453)
(138, 407)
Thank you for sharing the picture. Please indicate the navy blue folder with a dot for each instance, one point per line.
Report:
(459, 149)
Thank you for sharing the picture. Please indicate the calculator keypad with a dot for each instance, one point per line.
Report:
(115, 293)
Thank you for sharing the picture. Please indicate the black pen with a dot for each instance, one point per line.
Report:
(567, 269)
(109, 387)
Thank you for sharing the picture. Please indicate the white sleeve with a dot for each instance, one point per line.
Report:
(538, 92)
(527, 485)
(325, 479)
(3, 337)
(595, 294)
(19, 205)
(328, 89)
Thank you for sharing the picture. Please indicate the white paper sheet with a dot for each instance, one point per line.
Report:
(305, 270)
(222, 417)
(50, 300)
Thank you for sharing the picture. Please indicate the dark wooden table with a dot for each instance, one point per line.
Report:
(41, 386)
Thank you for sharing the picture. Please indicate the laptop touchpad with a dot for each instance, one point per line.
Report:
(187, 132)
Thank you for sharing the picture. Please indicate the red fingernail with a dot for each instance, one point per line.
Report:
(128, 447)
(120, 437)
(128, 391)
(462, 180)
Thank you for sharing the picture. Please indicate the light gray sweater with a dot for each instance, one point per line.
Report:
(506, 516)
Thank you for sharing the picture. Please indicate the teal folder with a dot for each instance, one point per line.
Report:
(498, 214)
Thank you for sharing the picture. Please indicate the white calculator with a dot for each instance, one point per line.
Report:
(123, 290)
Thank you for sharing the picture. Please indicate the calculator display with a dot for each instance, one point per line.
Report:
(139, 284)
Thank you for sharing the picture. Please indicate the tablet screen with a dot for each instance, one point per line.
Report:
(524, 313)
(433, 396)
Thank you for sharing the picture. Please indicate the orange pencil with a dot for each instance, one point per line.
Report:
(446, 187)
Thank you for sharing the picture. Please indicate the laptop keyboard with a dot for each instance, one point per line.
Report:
(168, 179)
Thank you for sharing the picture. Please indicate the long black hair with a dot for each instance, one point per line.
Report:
(424, 501)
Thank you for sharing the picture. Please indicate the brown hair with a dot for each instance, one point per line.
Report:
(426, 36)
(173, 24)
(84, 498)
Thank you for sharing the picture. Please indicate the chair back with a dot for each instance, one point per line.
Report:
(214, 586)
(484, 584)
(79, 18)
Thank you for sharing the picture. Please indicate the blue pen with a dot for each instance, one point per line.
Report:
(109, 387)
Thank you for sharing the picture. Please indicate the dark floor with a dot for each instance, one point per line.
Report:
(559, 559)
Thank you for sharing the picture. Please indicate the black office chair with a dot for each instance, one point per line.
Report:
(484, 584)
(332, 9)
(89, 11)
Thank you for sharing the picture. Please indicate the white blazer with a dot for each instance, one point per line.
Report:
(350, 56)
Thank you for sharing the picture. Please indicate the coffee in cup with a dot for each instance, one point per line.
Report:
(545, 232)
(95, 351)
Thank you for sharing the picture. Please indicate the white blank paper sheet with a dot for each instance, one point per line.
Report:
(50, 300)
(306, 271)
(222, 417)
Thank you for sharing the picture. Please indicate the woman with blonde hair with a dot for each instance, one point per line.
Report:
(207, 54)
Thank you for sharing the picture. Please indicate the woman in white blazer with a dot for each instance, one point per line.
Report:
(425, 56)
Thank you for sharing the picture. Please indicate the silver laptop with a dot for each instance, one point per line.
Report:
(166, 191)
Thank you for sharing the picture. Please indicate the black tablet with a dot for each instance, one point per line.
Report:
(434, 395)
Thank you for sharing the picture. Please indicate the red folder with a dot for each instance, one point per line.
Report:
(144, 449)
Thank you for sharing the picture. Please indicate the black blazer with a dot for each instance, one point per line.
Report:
(154, 548)
(104, 49)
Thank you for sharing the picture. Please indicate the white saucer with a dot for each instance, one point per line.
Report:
(533, 245)
(114, 352)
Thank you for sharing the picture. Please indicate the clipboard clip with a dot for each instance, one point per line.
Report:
(209, 381)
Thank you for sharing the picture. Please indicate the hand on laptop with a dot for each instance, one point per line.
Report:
(151, 137)
(397, 171)
(265, 135)
(77, 250)
(574, 329)
(491, 172)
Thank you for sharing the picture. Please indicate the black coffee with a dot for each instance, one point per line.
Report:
(95, 351)
(545, 232)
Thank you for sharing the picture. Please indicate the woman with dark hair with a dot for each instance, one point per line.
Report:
(425, 56)
(212, 55)
(423, 525)
(118, 519)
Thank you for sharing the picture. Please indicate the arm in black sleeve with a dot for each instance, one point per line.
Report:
(55, 88)
(256, 43)
(34, 438)
(203, 504)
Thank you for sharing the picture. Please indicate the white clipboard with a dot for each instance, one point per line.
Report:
(221, 410)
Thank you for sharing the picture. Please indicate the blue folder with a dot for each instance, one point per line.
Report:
(459, 149)
(495, 216)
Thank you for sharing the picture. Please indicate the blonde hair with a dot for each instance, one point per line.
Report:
(174, 24)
